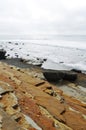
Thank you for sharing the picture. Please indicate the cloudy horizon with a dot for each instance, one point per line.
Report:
(43, 17)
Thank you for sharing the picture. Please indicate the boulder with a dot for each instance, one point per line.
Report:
(76, 70)
(16, 43)
(44, 59)
(53, 76)
(71, 76)
(2, 54)
(10, 42)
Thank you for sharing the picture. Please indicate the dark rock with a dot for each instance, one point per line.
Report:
(70, 76)
(2, 54)
(11, 49)
(75, 70)
(49, 87)
(16, 43)
(8, 55)
(11, 67)
(38, 59)
(16, 55)
(15, 106)
(18, 69)
(39, 64)
(9, 42)
(45, 59)
(36, 62)
(22, 60)
(61, 62)
(54, 76)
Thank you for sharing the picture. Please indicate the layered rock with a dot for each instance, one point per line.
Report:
(23, 95)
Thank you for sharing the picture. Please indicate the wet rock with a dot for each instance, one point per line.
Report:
(8, 55)
(10, 42)
(54, 76)
(16, 55)
(11, 49)
(45, 59)
(71, 76)
(16, 43)
(33, 61)
(61, 62)
(76, 70)
(40, 64)
(21, 60)
(2, 54)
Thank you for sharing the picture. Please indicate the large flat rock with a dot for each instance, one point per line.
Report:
(52, 75)
(43, 102)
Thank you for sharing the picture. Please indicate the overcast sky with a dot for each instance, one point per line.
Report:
(43, 16)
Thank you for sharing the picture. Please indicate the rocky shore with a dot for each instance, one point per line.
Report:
(29, 102)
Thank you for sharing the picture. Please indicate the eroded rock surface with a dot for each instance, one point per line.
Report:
(29, 103)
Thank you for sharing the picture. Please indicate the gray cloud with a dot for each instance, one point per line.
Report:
(43, 16)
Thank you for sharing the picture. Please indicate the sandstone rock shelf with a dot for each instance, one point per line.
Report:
(49, 107)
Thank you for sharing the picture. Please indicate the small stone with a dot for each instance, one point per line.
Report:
(18, 69)
(16, 43)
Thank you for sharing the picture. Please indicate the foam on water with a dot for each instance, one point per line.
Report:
(63, 52)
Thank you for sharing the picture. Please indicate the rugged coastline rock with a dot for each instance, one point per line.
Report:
(2, 54)
(34, 61)
(52, 75)
(29, 103)
(76, 70)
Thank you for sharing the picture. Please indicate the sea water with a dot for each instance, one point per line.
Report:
(63, 50)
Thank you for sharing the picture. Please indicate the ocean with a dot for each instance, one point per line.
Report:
(61, 51)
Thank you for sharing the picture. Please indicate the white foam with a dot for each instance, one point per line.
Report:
(71, 57)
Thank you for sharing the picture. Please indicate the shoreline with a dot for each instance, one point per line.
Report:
(18, 63)
(31, 52)
(36, 71)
